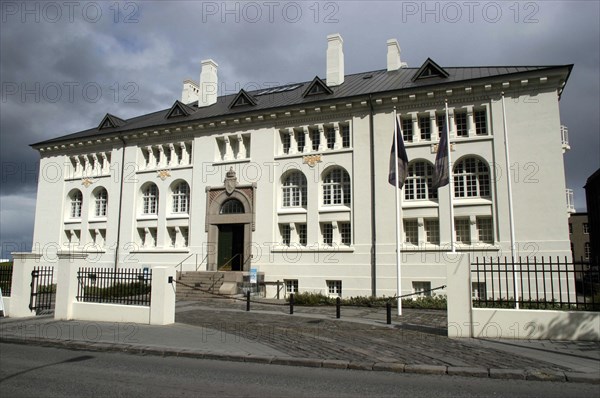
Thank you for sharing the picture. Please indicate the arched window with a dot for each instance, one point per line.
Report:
(336, 187)
(76, 202)
(232, 206)
(101, 197)
(294, 190)
(150, 199)
(471, 178)
(418, 182)
(181, 198)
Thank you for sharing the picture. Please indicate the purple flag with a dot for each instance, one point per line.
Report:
(440, 177)
(401, 160)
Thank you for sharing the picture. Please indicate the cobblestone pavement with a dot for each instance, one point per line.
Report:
(418, 337)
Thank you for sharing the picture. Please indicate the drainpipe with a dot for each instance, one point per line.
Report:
(373, 222)
(120, 205)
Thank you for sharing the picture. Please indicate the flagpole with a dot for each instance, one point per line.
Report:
(510, 200)
(398, 230)
(450, 183)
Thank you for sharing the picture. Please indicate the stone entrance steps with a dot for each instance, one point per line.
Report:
(209, 282)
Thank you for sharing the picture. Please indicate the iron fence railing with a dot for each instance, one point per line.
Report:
(535, 283)
(128, 286)
(6, 272)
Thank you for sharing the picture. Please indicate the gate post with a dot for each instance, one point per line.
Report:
(458, 290)
(162, 299)
(23, 264)
(66, 282)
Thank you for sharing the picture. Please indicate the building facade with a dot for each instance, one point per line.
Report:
(293, 180)
(592, 196)
(579, 231)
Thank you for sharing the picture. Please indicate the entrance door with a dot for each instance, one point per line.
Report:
(231, 247)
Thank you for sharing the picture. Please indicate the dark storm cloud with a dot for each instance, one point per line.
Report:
(140, 56)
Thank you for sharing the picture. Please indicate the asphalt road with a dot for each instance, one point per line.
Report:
(29, 371)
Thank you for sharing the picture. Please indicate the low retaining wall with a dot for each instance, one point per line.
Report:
(111, 312)
(535, 324)
(466, 322)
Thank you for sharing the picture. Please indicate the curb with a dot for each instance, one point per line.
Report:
(492, 373)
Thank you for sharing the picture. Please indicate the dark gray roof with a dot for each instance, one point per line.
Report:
(355, 85)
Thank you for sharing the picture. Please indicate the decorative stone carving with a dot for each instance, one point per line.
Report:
(163, 174)
(312, 160)
(230, 181)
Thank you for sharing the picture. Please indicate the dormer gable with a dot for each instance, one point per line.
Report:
(430, 69)
(316, 87)
(110, 121)
(242, 99)
(179, 109)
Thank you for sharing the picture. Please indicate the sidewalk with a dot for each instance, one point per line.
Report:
(416, 342)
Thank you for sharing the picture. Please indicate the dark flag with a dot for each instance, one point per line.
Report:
(441, 177)
(401, 160)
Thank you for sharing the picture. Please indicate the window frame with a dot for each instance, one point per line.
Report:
(76, 204)
(294, 190)
(471, 178)
(336, 188)
(100, 202)
(180, 198)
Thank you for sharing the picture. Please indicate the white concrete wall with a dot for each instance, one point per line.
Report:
(100, 312)
(535, 324)
(467, 322)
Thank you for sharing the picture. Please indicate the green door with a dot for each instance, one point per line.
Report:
(231, 247)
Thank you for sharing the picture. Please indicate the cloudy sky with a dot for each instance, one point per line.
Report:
(63, 65)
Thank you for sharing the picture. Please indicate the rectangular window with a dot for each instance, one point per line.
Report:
(334, 288)
(485, 231)
(460, 119)
(291, 286)
(315, 137)
(345, 131)
(421, 289)
(587, 251)
(327, 231)
(411, 232)
(407, 129)
(440, 120)
(285, 141)
(75, 209)
(570, 228)
(285, 234)
(425, 127)
(432, 231)
(586, 228)
(345, 233)
(480, 122)
(301, 228)
(462, 228)
(300, 139)
(330, 134)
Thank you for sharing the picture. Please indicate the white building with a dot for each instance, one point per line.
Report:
(292, 180)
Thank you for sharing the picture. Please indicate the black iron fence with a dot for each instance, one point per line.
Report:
(43, 290)
(535, 283)
(128, 286)
(6, 279)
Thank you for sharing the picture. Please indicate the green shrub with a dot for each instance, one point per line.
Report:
(118, 290)
(315, 299)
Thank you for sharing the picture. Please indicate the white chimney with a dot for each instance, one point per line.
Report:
(335, 60)
(208, 83)
(393, 56)
(190, 91)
